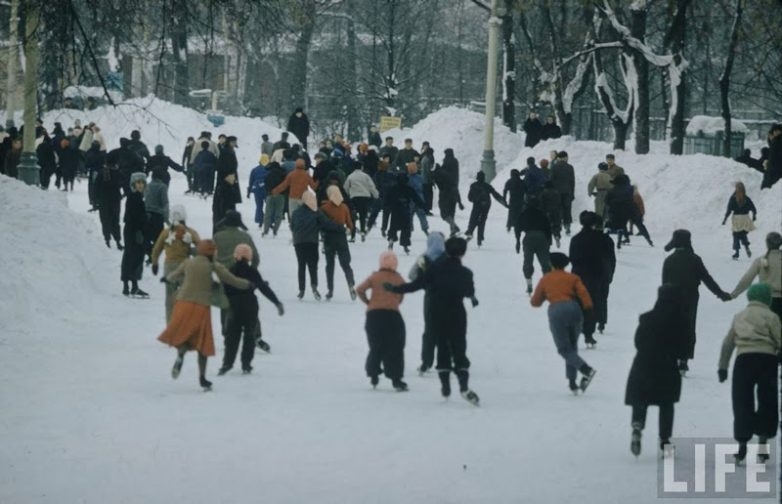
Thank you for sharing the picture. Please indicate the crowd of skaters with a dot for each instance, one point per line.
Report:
(338, 194)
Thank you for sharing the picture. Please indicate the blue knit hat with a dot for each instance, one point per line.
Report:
(760, 292)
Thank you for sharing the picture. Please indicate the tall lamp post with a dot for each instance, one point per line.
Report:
(28, 164)
(488, 163)
(13, 57)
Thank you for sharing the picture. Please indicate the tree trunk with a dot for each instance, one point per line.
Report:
(179, 51)
(638, 30)
(619, 120)
(725, 80)
(508, 70)
(13, 57)
(677, 74)
(354, 122)
(306, 21)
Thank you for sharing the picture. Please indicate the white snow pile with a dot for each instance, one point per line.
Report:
(55, 262)
(667, 183)
(709, 125)
(462, 130)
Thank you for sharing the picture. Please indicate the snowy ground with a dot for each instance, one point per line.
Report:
(90, 413)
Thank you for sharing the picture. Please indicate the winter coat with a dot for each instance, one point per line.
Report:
(384, 181)
(534, 129)
(768, 269)
(640, 208)
(140, 148)
(156, 198)
(390, 151)
(558, 286)
(244, 304)
(755, 329)
(660, 340)
(135, 217)
(416, 182)
(225, 198)
(481, 193)
(267, 148)
(592, 257)
(381, 298)
(161, 163)
(257, 182)
(370, 163)
(513, 193)
(360, 185)
(534, 179)
(296, 182)
(550, 131)
(307, 224)
(227, 162)
(226, 240)
(322, 170)
(69, 161)
(398, 201)
(614, 171)
(274, 177)
(213, 148)
(178, 243)
(299, 126)
(12, 159)
(427, 165)
(552, 206)
(564, 178)
(741, 220)
(774, 165)
(205, 161)
(375, 139)
(620, 203)
(339, 214)
(405, 156)
(195, 277)
(46, 159)
(108, 187)
(534, 219)
(94, 160)
(451, 167)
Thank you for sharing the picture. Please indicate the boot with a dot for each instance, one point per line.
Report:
(529, 286)
(315, 293)
(735, 255)
(300, 295)
(742, 453)
(635, 439)
(590, 341)
(589, 374)
(223, 370)
(471, 397)
(329, 295)
(445, 383)
(400, 386)
(374, 380)
(763, 455)
(119, 246)
(573, 386)
(749, 252)
(352, 293)
(180, 358)
(667, 450)
(205, 384)
(108, 243)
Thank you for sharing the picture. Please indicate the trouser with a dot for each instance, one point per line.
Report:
(739, 239)
(293, 205)
(307, 257)
(478, 217)
(259, 209)
(535, 245)
(191, 180)
(428, 195)
(638, 221)
(242, 328)
(598, 291)
(600, 205)
(755, 374)
(361, 204)
(109, 219)
(448, 211)
(665, 421)
(422, 220)
(428, 343)
(207, 182)
(565, 319)
(400, 228)
(275, 205)
(133, 256)
(155, 224)
(450, 332)
(377, 206)
(171, 288)
(90, 188)
(386, 337)
(337, 247)
(565, 204)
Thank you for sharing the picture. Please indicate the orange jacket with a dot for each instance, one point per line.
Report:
(557, 286)
(381, 298)
(339, 214)
(639, 202)
(298, 180)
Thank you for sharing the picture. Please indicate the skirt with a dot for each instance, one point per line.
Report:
(741, 223)
(191, 326)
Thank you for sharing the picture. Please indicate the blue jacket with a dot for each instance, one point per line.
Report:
(257, 183)
(535, 179)
(416, 181)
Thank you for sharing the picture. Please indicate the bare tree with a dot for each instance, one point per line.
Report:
(725, 78)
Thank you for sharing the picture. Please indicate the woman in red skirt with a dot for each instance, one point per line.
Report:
(190, 327)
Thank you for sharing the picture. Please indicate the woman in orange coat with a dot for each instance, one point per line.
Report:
(335, 243)
(190, 327)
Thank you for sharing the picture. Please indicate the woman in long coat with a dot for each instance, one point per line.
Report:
(135, 223)
(655, 380)
(190, 327)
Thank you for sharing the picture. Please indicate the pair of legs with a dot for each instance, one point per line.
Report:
(181, 351)
(272, 219)
(450, 333)
(422, 220)
(337, 248)
(362, 207)
(109, 221)
(739, 239)
(400, 229)
(478, 217)
(307, 257)
(242, 327)
(132, 262)
(448, 212)
(535, 244)
(259, 201)
(755, 374)
(428, 342)
(565, 320)
(377, 206)
(565, 204)
(386, 337)
(598, 315)
(665, 420)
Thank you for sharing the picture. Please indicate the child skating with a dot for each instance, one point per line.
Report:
(567, 298)
(740, 205)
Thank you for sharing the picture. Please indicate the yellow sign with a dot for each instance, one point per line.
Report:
(389, 122)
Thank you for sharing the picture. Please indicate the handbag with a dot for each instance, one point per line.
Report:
(217, 296)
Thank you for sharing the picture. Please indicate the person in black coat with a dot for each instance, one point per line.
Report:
(370, 162)
(654, 379)
(534, 129)
(550, 130)
(685, 269)
(621, 208)
(446, 178)
(94, 161)
(563, 177)
(448, 283)
(593, 260)
(480, 194)
(514, 193)
(226, 197)
(244, 311)
(398, 202)
(137, 146)
(127, 161)
(537, 239)
(162, 163)
(135, 222)
(374, 137)
(69, 163)
(773, 165)
(46, 160)
(108, 196)
(299, 125)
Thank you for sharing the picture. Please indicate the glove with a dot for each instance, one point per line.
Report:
(154, 269)
(725, 296)
(280, 309)
(474, 301)
(724, 221)
(461, 207)
(388, 286)
(163, 280)
(722, 374)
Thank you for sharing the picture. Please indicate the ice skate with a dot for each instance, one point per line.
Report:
(590, 342)
(180, 358)
(471, 397)
(125, 291)
(422, 370)
(635, 440)
(601, 327)
(222, 371)
(749, 252)
(400, 386)
(316, 294)
(667, 450)
(205, 384)
(260, 343)
(247, 369)
(735, 255)
(574, 388)
(589, 374)
(374, 380)
(329, 295)
(353, 294)
(300, 295)
(763, 455)
(138, 293)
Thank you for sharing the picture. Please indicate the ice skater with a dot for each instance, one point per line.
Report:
(740, 205)
(480, 194)
(435, 249)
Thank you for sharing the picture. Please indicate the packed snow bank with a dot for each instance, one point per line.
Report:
(679, 191)
(55, 263)
(710, 125)
(462, 130)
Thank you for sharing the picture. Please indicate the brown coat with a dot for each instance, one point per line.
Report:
(177, 250)
(195, 275)
(297, 181)
(339, 214)
(381, 298)
(639, 202)
(560, 285)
